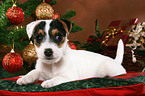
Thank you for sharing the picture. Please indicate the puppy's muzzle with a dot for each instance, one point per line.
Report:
(48, 52)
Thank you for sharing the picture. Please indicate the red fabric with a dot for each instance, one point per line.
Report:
(12, 79)
(130, 75)
(132, 90)
(110, 91)
(15, 79)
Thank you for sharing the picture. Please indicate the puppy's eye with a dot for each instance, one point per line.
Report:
(58, 38)
(39, 38)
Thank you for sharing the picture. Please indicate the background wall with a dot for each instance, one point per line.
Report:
(103, 10)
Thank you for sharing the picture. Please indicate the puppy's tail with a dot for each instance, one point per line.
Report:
(120, 52)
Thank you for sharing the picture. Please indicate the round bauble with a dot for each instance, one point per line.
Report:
(55, 16)
(72, 45)
(12, 62)
(15, 15)
(29, 54)
(47, 1)
(44, 11)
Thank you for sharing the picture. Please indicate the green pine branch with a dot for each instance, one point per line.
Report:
(75, 28)
(3, 9)
(52, 2)
(69, 14)
(30, 6)
(97, 31)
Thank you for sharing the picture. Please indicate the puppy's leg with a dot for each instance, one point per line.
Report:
(54, 81)
(59, 79)
(29, 78)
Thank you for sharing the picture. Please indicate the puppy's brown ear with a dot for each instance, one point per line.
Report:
(68, 23)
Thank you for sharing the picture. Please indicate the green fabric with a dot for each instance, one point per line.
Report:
(74, 85)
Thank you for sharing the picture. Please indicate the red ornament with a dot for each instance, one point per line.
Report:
(12, 62)
(15, 15)
(55, 16)
(72, 45)
(47, 1)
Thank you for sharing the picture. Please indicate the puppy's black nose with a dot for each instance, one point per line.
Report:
(48, 52)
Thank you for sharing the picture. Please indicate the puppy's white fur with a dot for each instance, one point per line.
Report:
(68, 64)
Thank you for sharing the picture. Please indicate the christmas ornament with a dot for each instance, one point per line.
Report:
(111, 31)
(12, 62)
(15, 14)
(72, 45)
(29, 53)
(44, 11)
(55, 16)
(137, 33)
(47, 1)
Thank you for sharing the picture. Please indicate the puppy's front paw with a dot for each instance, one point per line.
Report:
(53, 82)
(47, 84)
(25, 80)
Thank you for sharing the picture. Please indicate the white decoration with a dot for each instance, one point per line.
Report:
(136, 34)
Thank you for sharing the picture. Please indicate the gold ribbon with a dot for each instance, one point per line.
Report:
(111, 31)
(14, 3)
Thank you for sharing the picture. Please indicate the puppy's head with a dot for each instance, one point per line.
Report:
(50, 38)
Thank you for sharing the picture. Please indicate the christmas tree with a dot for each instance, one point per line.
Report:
(14, 35)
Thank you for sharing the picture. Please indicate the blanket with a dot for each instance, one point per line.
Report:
(126, 84)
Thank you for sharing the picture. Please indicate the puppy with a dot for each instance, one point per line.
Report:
(57, 63)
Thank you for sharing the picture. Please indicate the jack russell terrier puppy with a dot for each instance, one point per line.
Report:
(57, 63)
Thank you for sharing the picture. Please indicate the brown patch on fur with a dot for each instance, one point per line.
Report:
(54, 31)
(65, 26)
(41, 32)
(67, 31)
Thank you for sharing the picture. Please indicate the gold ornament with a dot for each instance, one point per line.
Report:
(29, 53)
(111, 31)
(44, 11)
